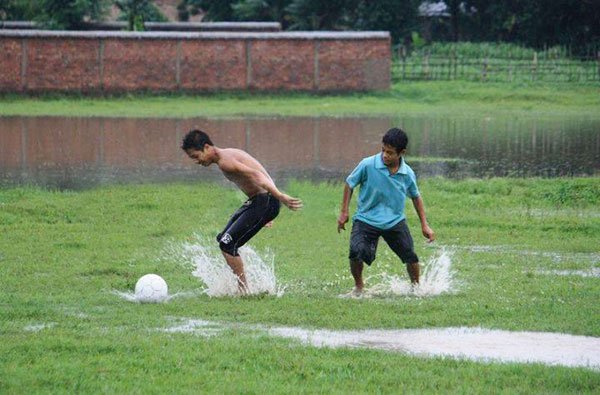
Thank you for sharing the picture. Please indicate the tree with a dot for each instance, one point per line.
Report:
(318, 15)
(214, 10)
(69, 14)
(575, 23)
(135, 12)
(399, 17)
(18, 10)
(262, 10)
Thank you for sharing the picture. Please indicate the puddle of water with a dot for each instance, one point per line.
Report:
(39, 327)
(198, 327)
(507, 249)
(132, 297)
(208, 265)
(475, 344)
(542, 213)
(593, 272)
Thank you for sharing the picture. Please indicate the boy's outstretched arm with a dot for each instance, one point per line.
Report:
(420, 209)
(344, 214)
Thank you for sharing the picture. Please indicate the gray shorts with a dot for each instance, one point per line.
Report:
(364, 238)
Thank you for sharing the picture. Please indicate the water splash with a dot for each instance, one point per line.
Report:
(205, 260)
(437, 277)
(131, 296)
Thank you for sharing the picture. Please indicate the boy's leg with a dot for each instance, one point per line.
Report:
(356, 268)
(400, 241)
(248, 221)
(414, 271)
(363, 248)
(237, 266)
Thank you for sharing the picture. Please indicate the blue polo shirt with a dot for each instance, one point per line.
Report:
(382, 196)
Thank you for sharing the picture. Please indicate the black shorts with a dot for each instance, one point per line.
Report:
(247, 221)
(364, 238)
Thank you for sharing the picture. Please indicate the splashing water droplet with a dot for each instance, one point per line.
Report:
(207, 263)
(437, 277)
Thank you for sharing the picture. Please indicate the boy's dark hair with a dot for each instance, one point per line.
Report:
(396, 138)
(195, 139)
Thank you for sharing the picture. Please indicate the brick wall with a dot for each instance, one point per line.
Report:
(96, 62)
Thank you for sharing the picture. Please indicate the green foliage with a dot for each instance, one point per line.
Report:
(262, 10)
(417, 41)
(532, 22)
(135, 12)
(319, 15)
(503, 61)
(399, 17)
(19, 10)
(213, 10)
(70, 14)
(572, 194)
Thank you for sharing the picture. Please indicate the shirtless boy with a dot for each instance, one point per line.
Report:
(385, 181)
(262, 206)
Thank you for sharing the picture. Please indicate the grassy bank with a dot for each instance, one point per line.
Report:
(456, 98)
(63, 252)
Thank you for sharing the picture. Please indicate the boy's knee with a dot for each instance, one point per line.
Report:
(409, 257)
(361, 253)
(226, 244)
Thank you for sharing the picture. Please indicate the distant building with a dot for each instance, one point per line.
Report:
(438, 9)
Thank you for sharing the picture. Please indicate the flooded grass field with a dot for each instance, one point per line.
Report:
(508, 301)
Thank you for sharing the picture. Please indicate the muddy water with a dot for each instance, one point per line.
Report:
(78, 153)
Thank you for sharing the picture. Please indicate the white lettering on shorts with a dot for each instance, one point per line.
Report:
(226, 238)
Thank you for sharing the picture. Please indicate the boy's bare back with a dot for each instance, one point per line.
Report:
(240, 168)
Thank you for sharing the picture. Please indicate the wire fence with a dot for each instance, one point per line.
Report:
(447, 63)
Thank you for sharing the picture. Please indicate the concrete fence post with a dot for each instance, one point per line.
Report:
(101, 64)
(316, 47)
(248, 64)
(24, 65)
(178, 66)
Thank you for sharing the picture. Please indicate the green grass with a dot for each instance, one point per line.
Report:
(62, 253)
(440, 98)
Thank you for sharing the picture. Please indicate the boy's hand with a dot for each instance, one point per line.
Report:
(342, 219)
(269, 224)
(293, 204)
(428, 233)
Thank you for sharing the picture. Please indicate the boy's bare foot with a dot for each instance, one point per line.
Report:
(242, 290)
(356, 292)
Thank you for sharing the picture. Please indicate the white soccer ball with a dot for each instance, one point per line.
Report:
(151, 288)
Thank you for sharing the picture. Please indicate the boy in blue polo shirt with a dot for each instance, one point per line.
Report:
(385, 180)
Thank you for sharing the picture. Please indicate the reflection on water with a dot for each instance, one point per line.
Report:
(82, 152)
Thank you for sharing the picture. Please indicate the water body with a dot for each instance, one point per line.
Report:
(75, 153)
